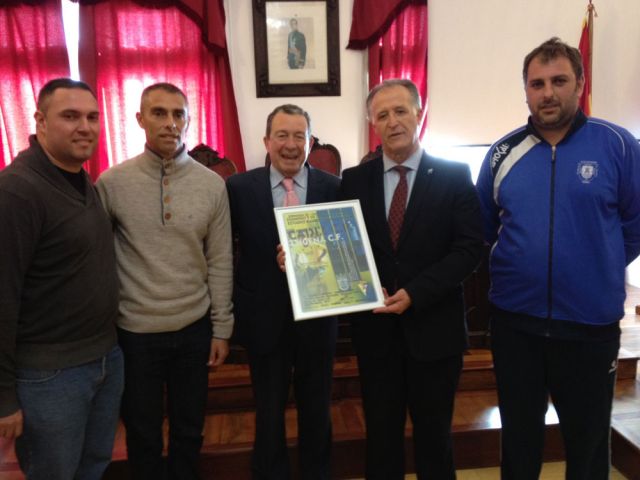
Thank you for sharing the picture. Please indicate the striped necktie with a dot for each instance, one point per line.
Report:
(291, 197)
(398, 206)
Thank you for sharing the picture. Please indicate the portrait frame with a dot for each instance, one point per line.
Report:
(328, 259)
(312, 72)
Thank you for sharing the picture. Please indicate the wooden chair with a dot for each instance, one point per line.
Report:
(322, 156)
(211, 159)
(325, 156)
(371, 155)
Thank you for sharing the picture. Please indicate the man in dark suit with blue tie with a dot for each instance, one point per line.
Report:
(280, 349)
(423, 219)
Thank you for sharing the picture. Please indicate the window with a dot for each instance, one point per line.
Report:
(472, 155)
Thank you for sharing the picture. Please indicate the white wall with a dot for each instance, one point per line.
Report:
(476, 50)
(336, 120)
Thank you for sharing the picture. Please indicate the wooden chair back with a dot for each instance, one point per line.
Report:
(210, 158)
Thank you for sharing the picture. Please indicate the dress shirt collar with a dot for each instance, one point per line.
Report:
(299, 179)
(412, 163)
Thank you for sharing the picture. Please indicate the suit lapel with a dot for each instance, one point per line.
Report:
(418, 196)
(374, 208)
(315, 186)
(262, 189)
(264, 200)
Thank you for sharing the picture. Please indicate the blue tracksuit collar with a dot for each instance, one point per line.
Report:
(578, 121)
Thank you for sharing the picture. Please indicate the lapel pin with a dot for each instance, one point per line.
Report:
(430, 171)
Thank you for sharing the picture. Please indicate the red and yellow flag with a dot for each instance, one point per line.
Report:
(585, 47)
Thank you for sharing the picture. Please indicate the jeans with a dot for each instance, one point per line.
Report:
(176, 361)
(70, 418)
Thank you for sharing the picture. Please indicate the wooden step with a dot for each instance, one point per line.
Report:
(476, 437)
(627, 364)
(476, 430)
(238, 355)
(226, 453)
(230, 384)
(229, 431)
(625, 423)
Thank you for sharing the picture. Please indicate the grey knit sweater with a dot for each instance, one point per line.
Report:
(173, 243)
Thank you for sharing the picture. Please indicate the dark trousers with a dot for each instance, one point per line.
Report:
(306, 360)
(580, 378)
(175, 362)
(393, 382)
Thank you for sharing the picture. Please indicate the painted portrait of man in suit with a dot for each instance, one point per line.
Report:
(297, 46)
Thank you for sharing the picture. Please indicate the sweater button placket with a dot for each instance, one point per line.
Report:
(168, 167)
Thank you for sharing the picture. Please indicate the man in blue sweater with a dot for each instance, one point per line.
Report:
(561, 205)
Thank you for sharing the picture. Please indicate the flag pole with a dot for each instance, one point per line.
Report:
(586, 49)
(590, 9)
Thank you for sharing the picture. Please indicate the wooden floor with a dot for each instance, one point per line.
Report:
(550, 471)
(476, 423)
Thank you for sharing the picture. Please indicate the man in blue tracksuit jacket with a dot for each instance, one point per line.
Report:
(561, 206)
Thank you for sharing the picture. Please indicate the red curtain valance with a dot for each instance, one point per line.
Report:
(207, 14)
(372, 18)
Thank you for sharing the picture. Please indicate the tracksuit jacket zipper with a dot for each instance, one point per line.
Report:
(550, 260)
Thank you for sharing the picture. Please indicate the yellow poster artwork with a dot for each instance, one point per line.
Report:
(329, 264)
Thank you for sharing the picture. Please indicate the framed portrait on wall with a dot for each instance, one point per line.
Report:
(297, 49)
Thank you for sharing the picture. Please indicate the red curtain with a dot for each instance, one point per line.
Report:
(209, 15)
(125, 47)
(395, 31)
(370, 19)
(32, 52)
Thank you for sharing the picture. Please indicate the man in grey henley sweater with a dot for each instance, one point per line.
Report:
(173, 249)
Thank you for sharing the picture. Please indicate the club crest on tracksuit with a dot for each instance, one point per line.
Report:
(587, 171)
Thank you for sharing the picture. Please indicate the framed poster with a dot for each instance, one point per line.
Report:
(329, 263)
(296, 44)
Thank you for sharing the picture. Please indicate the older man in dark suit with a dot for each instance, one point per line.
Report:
(423, 219)
(278, 348)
